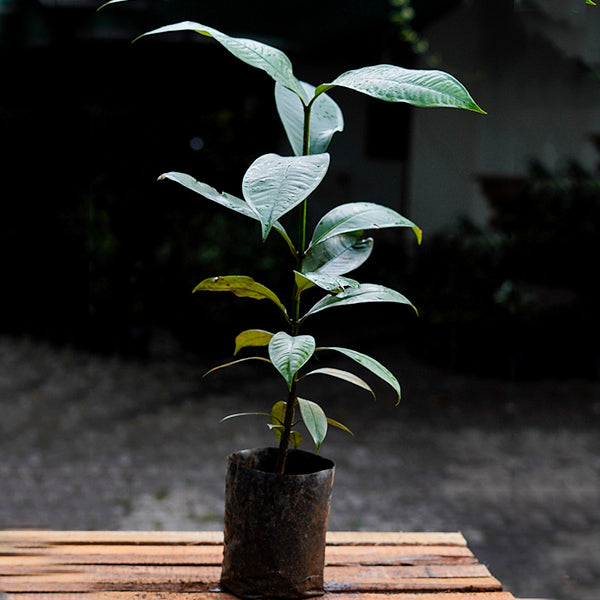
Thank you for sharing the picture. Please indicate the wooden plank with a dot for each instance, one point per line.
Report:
(44, 537)
(336, 538)
(125, 565)
(213, 554)
(224, 596)
(204, 578)
(374, 538)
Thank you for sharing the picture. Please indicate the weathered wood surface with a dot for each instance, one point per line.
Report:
(128, 565)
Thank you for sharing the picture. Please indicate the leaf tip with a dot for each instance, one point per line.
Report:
(418, 233)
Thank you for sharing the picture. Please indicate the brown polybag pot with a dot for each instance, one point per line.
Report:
(275, 525)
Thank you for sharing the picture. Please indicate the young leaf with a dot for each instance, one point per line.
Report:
(244, 414)
(369, 363)
(110, 2)
(240, 285)
(358, 216)
(338, 255)
(227, 200)
(236, 362)
(277, 415)
(331, 283)
(295, 439)
(365, 292)
(277, 419)
(339, 425)
(426, 88)
(325, 118)
(289, 353)
(256, 54)
(315, 421)
(345, 375)
(252, 337)
(274, 185)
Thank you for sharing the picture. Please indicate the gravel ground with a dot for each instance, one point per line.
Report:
(96, 442)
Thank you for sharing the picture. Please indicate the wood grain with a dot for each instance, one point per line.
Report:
(128, 565)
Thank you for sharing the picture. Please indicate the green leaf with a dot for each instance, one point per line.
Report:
(289, 353)
(256, 54)
(358, 216)
(274, 185)
(339, 425)
(590, 2)
(369, 363)
(325, 118)
(331, 283)
(338, 255)
(345, 375)
(231, 202)
(227, 200)
(426, 88)
(236, 362)
(295, 439)
(252, 337)
(365, 292)
(315, 421)
(110, 2)
(244, 414)
(277, 415)
(277, 420)
(240, 285)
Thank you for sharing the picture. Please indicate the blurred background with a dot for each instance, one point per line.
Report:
(100, 330)
(97, 253)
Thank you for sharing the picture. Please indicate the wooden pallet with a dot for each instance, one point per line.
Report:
(128, 565)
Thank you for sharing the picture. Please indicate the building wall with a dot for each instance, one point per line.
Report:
(541, 103)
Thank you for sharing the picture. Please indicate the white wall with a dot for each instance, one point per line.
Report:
(540, 105)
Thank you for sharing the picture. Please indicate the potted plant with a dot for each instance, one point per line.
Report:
(277, 499)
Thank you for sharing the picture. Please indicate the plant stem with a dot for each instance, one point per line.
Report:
(305, 152)
(287, 430)
(295, 313)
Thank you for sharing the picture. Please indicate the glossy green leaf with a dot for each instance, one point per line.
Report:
(227, 200)
(369, 363)
(231, 202)
(256, 54)
(240, 285)
(314, 420)
(290, 353)
(236, 362)
(331, 283)
(365, 292)
(345, 375)
(252, 337)
(274, 185)
(338, 255)
(356, 217)
(339, 425)
(428, 88)
(325, 118)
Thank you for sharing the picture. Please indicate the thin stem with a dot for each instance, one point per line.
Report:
(305, 152)
(295, 313)
(287, 430)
